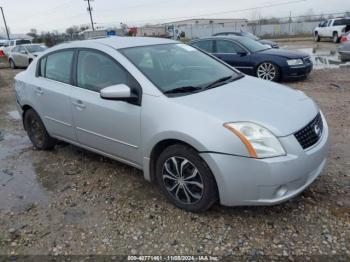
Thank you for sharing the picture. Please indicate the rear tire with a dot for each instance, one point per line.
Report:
(185, 179)
(335, 38)
(37, 132)
(12, 64)
(317, 38)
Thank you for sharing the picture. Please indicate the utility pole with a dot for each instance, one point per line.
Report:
(90, 11)
(3, 16)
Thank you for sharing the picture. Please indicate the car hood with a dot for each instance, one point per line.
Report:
(282, 110)
(290, 54)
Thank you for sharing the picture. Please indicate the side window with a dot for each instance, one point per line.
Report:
(96, 71)
(12, 43)
(58, 66)
(227, 47)
(206, 45)
(329, 23)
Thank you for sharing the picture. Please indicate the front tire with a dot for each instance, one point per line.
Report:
(185, 179)
(37, 132)
(268, 71)
(12, 64)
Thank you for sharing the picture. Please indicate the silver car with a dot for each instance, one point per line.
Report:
(197, 127)
(23, 55)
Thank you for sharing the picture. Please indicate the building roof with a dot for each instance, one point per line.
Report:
(202, 19)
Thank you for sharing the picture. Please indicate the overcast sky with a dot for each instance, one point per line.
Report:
(22, 15)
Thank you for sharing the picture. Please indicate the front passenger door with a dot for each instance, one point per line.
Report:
(108, 126)
(234, 55)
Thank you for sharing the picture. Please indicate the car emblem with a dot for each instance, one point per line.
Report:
(317, 130)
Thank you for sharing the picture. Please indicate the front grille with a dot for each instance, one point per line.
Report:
(311, 134)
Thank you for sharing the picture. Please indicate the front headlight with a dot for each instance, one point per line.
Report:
(259, 141)
(295, 62)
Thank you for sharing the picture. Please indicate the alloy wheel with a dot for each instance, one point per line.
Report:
(182, 180)
(267, 71)
(36, 131)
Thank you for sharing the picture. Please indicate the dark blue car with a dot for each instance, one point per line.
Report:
(256, 59)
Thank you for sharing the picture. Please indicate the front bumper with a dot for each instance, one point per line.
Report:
(246, 181)
(294, 72)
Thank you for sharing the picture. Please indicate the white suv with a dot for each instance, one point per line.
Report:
(332, 28)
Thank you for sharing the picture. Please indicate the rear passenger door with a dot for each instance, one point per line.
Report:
(108, 126)
(234, 55)
(52, 93)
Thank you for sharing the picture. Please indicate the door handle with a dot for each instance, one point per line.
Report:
(39, 91)
(79, 104)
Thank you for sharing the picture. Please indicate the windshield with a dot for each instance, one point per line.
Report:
(36, 48)
(250, 35)
(178, 67)
(252, 45)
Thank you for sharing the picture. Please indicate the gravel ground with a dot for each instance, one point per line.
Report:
(73, 202)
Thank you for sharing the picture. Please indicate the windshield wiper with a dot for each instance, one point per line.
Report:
(222, 81)
(183, 89)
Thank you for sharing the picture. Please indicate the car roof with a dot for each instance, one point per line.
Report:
(128, 42)
(32, 44)
(226, 37)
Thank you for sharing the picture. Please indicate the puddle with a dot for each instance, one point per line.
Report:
(19, 188)
(323, 57)
(14, 115)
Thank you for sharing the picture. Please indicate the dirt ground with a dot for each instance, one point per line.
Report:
(70, 201)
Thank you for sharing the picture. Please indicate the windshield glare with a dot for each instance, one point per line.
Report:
(173, 66)
(252, 45)
(36, 48)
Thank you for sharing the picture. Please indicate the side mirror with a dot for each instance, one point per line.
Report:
(118, 92)
(242, 53)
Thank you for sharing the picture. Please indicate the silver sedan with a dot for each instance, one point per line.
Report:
(200, 129)
(23, 55)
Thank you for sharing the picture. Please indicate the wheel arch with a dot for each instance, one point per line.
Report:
(158, 148)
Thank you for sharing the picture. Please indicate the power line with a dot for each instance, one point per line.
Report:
(90, 11)
(273, 4)
(3, 16)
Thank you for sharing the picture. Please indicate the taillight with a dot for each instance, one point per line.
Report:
(2, 53)
(343, 39)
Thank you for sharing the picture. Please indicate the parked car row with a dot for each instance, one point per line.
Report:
(8, 45)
